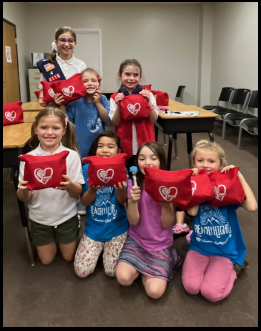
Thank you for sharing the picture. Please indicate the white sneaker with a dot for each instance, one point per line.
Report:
(81, 209)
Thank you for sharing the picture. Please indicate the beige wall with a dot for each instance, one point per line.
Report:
(203, 46)
(235, 43)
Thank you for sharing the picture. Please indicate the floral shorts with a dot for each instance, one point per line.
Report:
(88, 252)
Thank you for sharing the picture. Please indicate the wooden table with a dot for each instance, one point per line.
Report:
(29, 117)
(15, 143)
(31, 106)
(171, 125)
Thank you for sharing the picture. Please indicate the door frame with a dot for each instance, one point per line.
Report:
(93, 30)
(8, 22)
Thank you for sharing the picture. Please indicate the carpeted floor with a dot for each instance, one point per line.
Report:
(53, 296)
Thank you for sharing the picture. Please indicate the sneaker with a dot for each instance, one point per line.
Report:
(238, 268)
(188, 236)
(81, 208)
(180, 228)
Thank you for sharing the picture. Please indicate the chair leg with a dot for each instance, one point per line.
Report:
(11, 175)
(164, 139)
(239, 137)
(175, 145)
(224, 130)
(29, 246)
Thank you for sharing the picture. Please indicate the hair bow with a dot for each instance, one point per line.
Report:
(54, 47)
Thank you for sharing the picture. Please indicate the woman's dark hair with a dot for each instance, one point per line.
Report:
(157, 149)
(109, 134)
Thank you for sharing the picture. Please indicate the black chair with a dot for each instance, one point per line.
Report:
(240, 98)
(249, 125)
(235, 119)
(179, 93)
(226, 96)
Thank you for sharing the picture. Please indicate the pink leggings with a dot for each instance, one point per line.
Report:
(213, 276)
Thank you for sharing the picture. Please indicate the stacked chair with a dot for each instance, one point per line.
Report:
(245, 120)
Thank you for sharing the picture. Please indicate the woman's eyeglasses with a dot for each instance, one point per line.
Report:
(63, 40)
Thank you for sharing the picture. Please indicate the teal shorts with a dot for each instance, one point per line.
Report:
(64, 233)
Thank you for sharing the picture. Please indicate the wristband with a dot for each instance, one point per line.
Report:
(152, 107)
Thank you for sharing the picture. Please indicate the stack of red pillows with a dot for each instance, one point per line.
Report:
(71, 89)
(186, 191)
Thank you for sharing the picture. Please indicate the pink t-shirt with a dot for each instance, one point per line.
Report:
(149, 232)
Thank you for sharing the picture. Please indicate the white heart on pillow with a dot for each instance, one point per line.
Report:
(68, 91)
(134, 109)
(10, 115)
(43, 176)
(219, 192)
(51, 92)
(165, 192)
(105, 175)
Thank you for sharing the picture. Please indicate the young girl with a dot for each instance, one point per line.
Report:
(215, 255)
(90, 114)
(106, 223)
(61, 63)
(53, 212)
(149, 247)
(136, 132)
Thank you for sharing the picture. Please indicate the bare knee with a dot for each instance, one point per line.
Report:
(46, 253)
(155, 293)
(68, 256)
(46, 260)
(68, 250)
(124, 277)
(155, 289)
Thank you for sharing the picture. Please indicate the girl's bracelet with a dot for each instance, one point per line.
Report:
(152, 107)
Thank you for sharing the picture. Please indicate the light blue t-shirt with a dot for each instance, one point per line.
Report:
(105, 217)
(216, 232)
(87, 120)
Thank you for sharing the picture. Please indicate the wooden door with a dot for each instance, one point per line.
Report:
(11, 86)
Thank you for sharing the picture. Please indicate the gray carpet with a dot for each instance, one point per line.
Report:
(53, 296)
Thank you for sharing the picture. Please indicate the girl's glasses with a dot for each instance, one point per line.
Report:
(63, 40)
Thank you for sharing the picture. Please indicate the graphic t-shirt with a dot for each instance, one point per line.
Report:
(105, 217)
(87, 120)
(216, 232)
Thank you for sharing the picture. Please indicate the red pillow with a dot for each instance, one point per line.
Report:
(71, 88)
(48, 92)
(13, 113)
(148, 87)
(171, 186)
(37, 93)
(134, 106)
(44, 171)
(228, 189)
(106, 171)
(202, 189)
(162, 98)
